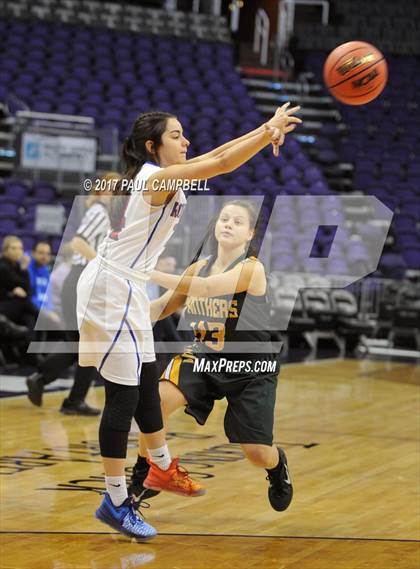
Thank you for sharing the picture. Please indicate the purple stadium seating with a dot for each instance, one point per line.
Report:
(203, 88)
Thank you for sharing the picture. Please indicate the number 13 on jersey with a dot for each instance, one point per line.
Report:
(216, 330)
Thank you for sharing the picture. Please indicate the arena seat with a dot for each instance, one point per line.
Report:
(349, 323)
(284, 300)
(406, 314)
(317, 304)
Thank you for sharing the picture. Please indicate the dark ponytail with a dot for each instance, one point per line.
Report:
(148, 126)
(209, 238)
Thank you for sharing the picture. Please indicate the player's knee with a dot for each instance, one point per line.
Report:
(259, 455)
(165, 408)
(166, 405)
(119, 411)
(171, 398)
(148, 414)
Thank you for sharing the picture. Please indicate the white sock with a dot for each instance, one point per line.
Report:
(117, 489)
(160, 456)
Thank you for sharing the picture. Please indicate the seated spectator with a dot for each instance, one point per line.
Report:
(10, 332)
(39, 276)
(10, 335)
(15, 289)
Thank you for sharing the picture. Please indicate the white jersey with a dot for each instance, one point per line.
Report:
(113, 309)
(146, 229)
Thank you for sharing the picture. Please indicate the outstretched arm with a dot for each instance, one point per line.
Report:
(166, 305)
(220, 149)
(225, 162)
(247, 276)
(171, 301)
(223, 147)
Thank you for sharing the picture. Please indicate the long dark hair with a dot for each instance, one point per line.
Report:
(148, 126)
(210, 239)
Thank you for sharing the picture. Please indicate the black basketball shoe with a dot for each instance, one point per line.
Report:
(35, 387)
(136, 489)
(69, 407)
(280, 490)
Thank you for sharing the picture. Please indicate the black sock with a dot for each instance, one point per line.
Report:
(141, 463)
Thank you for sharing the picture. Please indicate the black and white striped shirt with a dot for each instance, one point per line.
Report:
(93, 229)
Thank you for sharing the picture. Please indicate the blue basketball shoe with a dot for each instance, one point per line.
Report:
(124, 519)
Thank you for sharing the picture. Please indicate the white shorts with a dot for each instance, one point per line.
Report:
(113, 317)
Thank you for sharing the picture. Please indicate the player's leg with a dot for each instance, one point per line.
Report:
(54, 365)
(116, 509)
(261, 456)
(49, 370)
(171, 399)
(74, 403)
(273, 460)
(164, 472)
(249, 420)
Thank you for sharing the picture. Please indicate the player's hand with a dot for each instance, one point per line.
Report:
(284, 120)
(276, 137)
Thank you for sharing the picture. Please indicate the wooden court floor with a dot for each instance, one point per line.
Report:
(351, 432)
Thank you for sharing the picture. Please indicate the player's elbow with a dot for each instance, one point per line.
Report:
(224, 163)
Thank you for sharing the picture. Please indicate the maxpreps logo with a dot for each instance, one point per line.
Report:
(353, 62)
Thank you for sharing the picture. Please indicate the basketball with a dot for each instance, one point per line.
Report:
(355, 73)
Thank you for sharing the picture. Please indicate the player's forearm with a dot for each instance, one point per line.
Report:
(223, 147)
(189, 286)
(165, 305)
(156, 310)
(241, 152)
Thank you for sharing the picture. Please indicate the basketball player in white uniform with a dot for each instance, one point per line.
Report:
(113, 307)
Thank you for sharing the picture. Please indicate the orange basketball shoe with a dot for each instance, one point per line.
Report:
(175, 480)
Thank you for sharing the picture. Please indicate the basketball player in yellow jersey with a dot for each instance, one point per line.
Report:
(228, 285)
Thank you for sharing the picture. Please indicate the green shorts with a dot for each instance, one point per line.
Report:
(251, 399)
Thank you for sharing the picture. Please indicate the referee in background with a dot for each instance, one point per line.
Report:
(89, 235)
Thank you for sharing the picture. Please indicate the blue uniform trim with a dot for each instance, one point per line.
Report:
(117, 335)
(133, 337)
(149, 238)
